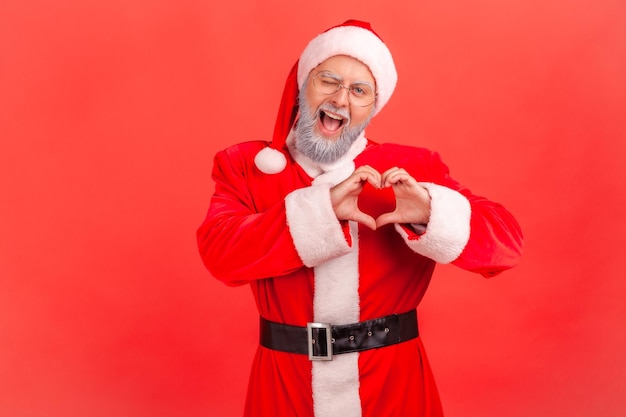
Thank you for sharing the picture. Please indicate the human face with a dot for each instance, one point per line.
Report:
(326, 132)
(335, 111)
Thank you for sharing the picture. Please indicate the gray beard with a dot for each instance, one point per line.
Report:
(316, 147)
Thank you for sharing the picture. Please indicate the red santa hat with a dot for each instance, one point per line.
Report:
(352, 38)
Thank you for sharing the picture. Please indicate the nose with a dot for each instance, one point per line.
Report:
(341, 97)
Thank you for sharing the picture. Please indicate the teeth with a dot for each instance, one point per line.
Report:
(332, 116)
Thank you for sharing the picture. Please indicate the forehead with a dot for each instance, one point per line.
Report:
(347, 67)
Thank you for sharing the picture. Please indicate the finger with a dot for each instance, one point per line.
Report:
(387, 218)
(365, 220)
(399, 175)
(368, 173)
(354, 183)
(394, 176)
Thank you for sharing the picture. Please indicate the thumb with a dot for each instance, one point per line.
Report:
(386, 218)
(365, 219)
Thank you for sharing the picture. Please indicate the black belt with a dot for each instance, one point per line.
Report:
(322, 340)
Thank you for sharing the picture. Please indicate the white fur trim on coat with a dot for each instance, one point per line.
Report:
(336, 387)
(448, 229)
(321, 244)
(336, 383)
(316, 232)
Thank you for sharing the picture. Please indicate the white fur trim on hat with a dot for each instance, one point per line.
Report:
(358, 43)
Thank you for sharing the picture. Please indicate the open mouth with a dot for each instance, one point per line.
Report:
(331, 122)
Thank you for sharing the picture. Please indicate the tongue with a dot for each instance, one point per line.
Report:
(330, 123)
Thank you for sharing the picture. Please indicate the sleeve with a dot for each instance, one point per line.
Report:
(464, 229)
(239, 243)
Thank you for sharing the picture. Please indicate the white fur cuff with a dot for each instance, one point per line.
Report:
(448, 229)
(316, 232)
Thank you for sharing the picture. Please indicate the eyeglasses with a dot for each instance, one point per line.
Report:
(359, 94)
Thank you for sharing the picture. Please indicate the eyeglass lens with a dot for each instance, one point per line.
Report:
(360, 94)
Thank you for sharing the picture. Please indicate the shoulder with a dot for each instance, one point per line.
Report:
(240, 154)
(423, 164)
(244, 148)
(238, 159)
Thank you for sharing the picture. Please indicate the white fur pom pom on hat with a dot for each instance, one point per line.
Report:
(270, 160)
(352, 38)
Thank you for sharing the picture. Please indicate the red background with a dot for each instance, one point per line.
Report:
(110, 113)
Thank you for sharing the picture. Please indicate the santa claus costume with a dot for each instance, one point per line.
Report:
(271, 225)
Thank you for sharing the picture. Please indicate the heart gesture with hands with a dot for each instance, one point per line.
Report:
(412, 200)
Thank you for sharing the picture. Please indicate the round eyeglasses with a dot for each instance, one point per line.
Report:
(359, 94)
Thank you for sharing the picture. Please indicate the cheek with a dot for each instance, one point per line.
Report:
(360, 115)
(313, 98)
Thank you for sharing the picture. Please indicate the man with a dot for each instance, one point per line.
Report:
(338, 237)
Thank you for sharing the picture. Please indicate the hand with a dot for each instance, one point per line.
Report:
(412, 200)
(344, 196)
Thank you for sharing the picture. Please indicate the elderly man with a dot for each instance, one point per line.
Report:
(338, 237)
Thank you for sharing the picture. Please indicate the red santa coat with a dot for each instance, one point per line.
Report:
(278, 233)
